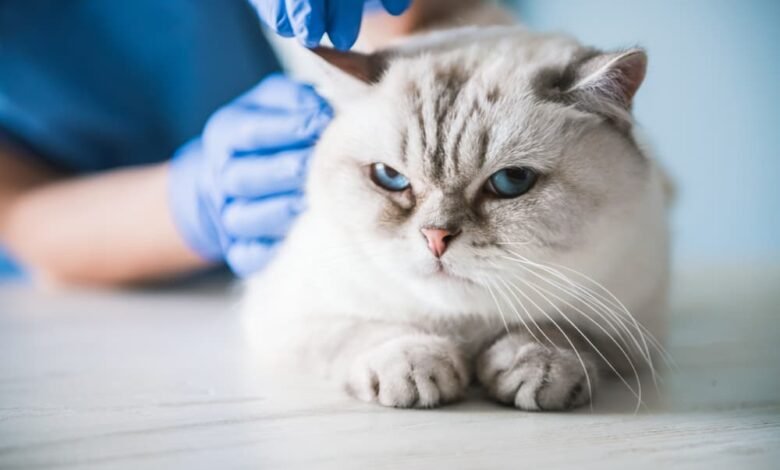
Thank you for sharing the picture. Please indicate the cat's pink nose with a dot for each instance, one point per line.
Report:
(438, 239)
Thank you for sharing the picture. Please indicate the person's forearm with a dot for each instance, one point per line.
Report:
(108, 228)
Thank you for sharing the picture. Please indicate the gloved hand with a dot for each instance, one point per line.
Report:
(236, 189)
(309, 20)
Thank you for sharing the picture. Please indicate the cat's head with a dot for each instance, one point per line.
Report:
(454, 151)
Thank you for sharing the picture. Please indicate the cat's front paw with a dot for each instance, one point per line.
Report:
(413, 371)
(532, 376)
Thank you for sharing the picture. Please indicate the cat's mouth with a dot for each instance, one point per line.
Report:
(441, 271)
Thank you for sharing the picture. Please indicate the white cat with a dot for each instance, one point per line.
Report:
(480, 208)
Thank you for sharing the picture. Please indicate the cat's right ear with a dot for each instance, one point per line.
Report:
(605, 83)
(348, 74)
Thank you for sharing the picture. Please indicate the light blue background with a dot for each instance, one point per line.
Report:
(709, 107)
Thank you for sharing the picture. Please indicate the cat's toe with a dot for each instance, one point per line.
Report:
(531, 376)
(416, 371)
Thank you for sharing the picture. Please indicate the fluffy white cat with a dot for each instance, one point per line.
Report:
(478, 209)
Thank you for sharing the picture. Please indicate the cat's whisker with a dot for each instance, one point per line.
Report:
(622, 307)
(578, 297)
(579, 289)
(624, 335)
(519, 317)
(601, 314)
(638, 393)
(668, 359)
(515, 243)
(498, 306)
(566, 337)
(528, 314)
(581, 297)
(642, 332)
(606, 313)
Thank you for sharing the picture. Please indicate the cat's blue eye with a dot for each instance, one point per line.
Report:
(388, 178)
(511, 182)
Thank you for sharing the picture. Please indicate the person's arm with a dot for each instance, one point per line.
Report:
(109, 228)
(229, 195)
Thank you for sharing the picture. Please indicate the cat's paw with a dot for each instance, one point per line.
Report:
(413, 371)
(532, 376)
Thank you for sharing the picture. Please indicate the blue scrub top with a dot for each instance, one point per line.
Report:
(97, 84)
(89, 85)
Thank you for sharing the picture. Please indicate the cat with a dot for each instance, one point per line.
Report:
(479, 210)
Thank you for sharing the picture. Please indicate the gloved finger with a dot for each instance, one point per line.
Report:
(249, 257)
(259, 176)
(396, 7)
(279, 92)
(274, 14)
(307, 18)
(344, 22)
(237, 131)
(268, 218)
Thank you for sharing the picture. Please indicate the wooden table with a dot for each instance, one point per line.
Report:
(163, 379)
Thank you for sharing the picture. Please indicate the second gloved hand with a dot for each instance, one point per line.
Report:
(309, 20)
(236, 190)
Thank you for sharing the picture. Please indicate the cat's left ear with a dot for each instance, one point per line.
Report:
(348, 74)
(605, 83)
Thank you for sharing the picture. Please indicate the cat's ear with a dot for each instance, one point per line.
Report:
(605, 83)
(366, 68)
(348, 74)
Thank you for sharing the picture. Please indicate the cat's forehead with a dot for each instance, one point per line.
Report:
(463, 113)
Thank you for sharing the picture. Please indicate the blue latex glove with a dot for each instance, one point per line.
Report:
(309, 20)
(235, 191)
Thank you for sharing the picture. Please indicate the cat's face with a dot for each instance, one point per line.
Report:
(456, 160)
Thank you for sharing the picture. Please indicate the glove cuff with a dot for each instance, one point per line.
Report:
(191, 213)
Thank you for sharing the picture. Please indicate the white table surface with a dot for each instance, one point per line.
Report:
(162, 379)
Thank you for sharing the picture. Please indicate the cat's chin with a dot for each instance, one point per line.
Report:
(440, 272)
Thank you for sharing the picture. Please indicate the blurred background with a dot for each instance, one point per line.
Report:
(709, 109)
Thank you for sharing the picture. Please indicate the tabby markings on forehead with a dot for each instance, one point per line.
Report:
(442, 120)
